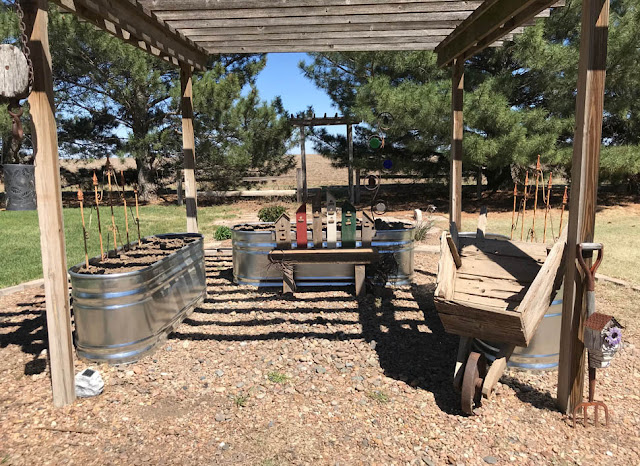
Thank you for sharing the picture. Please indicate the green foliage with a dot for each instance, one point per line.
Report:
(222, 233)
(378, 396)
(421, 229)
(277, 377)
(241, 400)
(271, 213)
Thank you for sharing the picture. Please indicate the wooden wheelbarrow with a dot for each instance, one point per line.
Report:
(498, 290)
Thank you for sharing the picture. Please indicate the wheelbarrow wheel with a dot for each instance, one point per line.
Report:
(474, 372)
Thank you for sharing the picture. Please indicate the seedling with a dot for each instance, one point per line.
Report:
(378, 396)
(277, 377)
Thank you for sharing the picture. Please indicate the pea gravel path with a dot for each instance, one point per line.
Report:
(256, 378)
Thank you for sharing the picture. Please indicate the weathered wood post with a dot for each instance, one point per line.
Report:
(189, 149)
(179, 186)
(49, 195)
(584, 187)
(303, 163)
(455, 183)
(350, 155)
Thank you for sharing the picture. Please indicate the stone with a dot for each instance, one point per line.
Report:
(490, 459)
(320, 369)
(219, 372)
(220, 417)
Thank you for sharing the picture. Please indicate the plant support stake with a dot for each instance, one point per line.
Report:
(513, 214)
(546, 210)
(135, 192)
(524, 205)
(564, 204)
(84, 230)
(113, 218)
(124, 201)
(535, 202)
(95, 189)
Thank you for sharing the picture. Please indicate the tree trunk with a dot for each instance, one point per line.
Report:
(479, 183)
(147, 188)
(497, 178)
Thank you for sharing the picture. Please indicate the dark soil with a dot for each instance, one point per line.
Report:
(380, 225)
(149, 252)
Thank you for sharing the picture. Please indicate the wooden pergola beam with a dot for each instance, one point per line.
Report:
(320, 121)
(176, 5)
(583, 200)
(457, 131)
(442, 27)
(490, 21)
(49, 196)
(189, 148)
(142, 25)
(387, 9)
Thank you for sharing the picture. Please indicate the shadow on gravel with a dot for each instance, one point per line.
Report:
(29, 334)
(528, 394)
(423, 359)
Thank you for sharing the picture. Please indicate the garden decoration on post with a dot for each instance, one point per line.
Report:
(126, 216)
(602, 335)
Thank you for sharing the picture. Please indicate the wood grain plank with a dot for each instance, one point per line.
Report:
(189, 149)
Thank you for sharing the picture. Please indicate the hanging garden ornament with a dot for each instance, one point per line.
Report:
(372, 182)
(376, 142)
(387, 164)
(379, 208)
(385, 120)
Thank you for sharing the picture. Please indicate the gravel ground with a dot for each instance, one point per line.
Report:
(257, 378)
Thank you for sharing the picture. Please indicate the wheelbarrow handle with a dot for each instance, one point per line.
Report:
(590, 273)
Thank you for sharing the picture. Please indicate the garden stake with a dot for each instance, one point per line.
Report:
(135, 192)
(546, 210)
(84, 230)
(564, 203)
(513, 214)
(524, 205)
(124, 201)
(113, 218)
(95, 188)
(535, 202)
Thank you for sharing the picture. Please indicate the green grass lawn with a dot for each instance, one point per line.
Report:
(20, 235)
(618, 228)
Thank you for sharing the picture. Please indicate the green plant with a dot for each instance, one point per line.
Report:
(222, 233)
(379, 396)
(240, 400)
(277, 377)
(421, 229)
(271, 213)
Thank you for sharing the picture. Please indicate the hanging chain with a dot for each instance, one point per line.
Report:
(24, 40)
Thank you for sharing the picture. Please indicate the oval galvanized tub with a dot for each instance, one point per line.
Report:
(119, 318)
(543, 351)
(251, 265)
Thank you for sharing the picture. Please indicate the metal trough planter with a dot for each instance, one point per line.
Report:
(251, 264)
(122, 317)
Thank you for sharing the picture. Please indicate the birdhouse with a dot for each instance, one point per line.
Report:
(348, 225)
(331, 221)
(602, 338)
(283, 232)
(301, 227)
(368, 229)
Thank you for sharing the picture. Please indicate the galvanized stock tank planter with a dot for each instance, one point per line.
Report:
(252, 243)
(122, 317)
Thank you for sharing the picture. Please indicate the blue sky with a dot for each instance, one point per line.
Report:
(282, 77)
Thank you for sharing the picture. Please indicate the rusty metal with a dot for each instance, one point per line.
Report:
(135, 193)
(532, 231)
(474, 372)
(114, 228)
(84, 229)
(590, 272)
(17, 131)
(524, 205)
(95, 190)
(564, 205)
(513, 214)
(126, 217)
(546, 210)
(591, 403)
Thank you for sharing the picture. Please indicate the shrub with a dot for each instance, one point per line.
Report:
(421, 230)
(271, 213)
(222, 233)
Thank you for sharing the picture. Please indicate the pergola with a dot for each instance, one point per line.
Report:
(186, 32)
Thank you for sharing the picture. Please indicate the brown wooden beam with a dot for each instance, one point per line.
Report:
(487, 24)
(413, 46)
(177, 5)
(443, 26)
(320, 121)
(303, 164)
(436, 18)
(350, 159)
(584, 188)
(142, 25)
(328, 41)
(447, 9)
(189, 149)
(49, 196)
(457, 130)
(222, 35)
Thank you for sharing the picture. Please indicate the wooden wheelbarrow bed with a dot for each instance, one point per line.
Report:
(496, 289)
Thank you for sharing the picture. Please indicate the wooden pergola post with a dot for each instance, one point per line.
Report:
(49, 196)
(455, 183)
(303, 163)
(350, 155)
(189, 148)
(584, 189)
